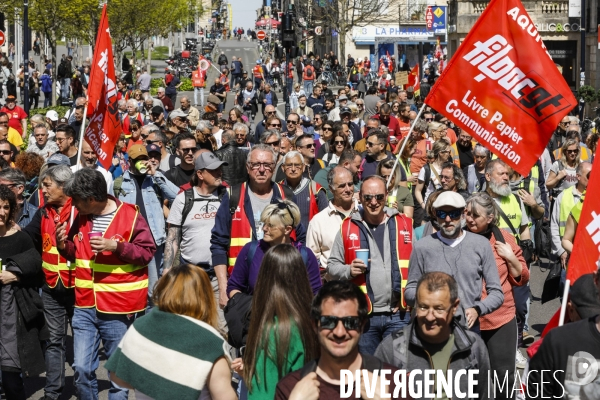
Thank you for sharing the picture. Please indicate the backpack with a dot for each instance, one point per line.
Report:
(309, 72)
(189, 199)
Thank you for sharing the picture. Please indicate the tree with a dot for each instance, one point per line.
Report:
(344, 15)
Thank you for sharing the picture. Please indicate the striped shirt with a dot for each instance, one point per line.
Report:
(101, 222)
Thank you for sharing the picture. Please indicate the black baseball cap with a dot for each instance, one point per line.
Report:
(584, 295)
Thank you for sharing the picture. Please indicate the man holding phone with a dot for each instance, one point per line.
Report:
(372, 235)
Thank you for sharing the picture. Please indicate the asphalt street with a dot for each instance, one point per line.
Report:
(539, 314)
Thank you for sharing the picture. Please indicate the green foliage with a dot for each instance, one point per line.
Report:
(588, 93)
(186, 85)
(159, 53)
(156, 83)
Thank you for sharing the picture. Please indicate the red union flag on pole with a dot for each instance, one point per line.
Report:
(503, 87)
(586, 247)
(104, 128)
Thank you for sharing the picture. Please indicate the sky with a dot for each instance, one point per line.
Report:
(244, 12)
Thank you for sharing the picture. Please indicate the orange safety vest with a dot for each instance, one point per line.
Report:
(257, 71)
(198, 78)
(102, 280)
(351, 235)
(54, 265)
(241, 230)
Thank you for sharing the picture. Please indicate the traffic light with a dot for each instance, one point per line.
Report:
(289, 35)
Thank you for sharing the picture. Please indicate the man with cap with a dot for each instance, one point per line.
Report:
(157, 114)
(42, 146)
(465, 256)
(212, 103)
(51, 120)
(325, 90)
(89, 159)
(179, 122)
(193, 216)
(17, 113)
(572, 351)
(145, 186)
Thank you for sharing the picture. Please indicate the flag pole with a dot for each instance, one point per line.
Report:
(404, 145)
(563, 306)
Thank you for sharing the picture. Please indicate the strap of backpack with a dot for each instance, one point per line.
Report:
(498, 234)
(188, 203)
(235, 193)
(251, 251)
(172, 159)
(427, 178)
(506, 219)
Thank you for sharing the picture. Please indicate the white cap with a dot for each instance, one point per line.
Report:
(52, 115)
(449, 199)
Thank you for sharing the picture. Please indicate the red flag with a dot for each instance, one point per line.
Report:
(586, 247)
(104, 128)
(413, 80)
(503, 87)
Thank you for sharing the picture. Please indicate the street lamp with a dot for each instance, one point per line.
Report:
(26, 55)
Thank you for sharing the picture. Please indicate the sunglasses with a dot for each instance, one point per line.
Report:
(276, 125)
(428, 119)
(149, 142)
(276, 143)
(188, 150)
(339, 142)
(330, 322)
(5, 152)
(327, 129)
(572, 151)
(308, 146)
(270, 112)
(369, 197)
(289, 121)
(454, 214)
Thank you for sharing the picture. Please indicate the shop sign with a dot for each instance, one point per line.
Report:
(370, 32)
(544, 27)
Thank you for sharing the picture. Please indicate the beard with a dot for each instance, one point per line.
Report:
(450, 231)
(502, 189)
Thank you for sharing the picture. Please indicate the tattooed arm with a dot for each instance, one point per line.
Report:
(171, 246)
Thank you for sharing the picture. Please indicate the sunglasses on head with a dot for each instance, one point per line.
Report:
(330, 322)
(454, 214)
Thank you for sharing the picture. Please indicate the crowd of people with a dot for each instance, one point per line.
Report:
(258, 258)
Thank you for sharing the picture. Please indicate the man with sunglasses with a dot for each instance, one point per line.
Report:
(305, 145)
(269, 111)
(237, 225)
(339, 314)
(145, 186)
(387, 235)
(376, 152)
(186, 147)
(434, 338)
(465, 256)
(155, 137)
(65, 139)
(292, 126)
(157, 115)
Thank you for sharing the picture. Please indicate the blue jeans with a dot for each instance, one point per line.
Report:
(65, 86)
(308, 87)
(58, 310)
(199, 90)
(154, 272)
(89, 327)
(379, 326)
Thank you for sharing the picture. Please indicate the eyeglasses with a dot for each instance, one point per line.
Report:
(276, 143)
(369, 197)
(339, 142)
(289, 121)
(257, 165)
(422, 310)
(454, 214)
(308, 146)
(369, 144)
(59, 140)
(292, 166)
(188, 150)
(330, 322)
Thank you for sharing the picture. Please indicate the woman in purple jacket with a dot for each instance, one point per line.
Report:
(278, 222)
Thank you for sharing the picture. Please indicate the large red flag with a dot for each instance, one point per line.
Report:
(503, 87)
(586, 247)
(104, 128)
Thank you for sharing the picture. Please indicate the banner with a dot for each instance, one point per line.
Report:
(414, 80)
(104, 127)
(502, 86)
(586, 246)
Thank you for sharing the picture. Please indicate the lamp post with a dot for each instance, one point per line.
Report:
(26, 56)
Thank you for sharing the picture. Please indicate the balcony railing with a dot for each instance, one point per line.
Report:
(555, 7)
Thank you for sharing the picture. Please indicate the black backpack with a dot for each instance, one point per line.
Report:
(188, 202)
(309, 72)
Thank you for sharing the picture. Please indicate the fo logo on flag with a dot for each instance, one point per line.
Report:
(513, 96)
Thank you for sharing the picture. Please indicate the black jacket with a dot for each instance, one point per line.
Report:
(261, 97)
(235, 172)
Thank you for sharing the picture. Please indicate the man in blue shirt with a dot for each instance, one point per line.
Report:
(315, 101)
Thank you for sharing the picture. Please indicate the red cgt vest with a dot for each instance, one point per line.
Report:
(104, 281)
(351, 235)
(241, 231)
(54, 265)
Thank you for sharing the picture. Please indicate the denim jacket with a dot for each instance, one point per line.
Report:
(154, 209)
